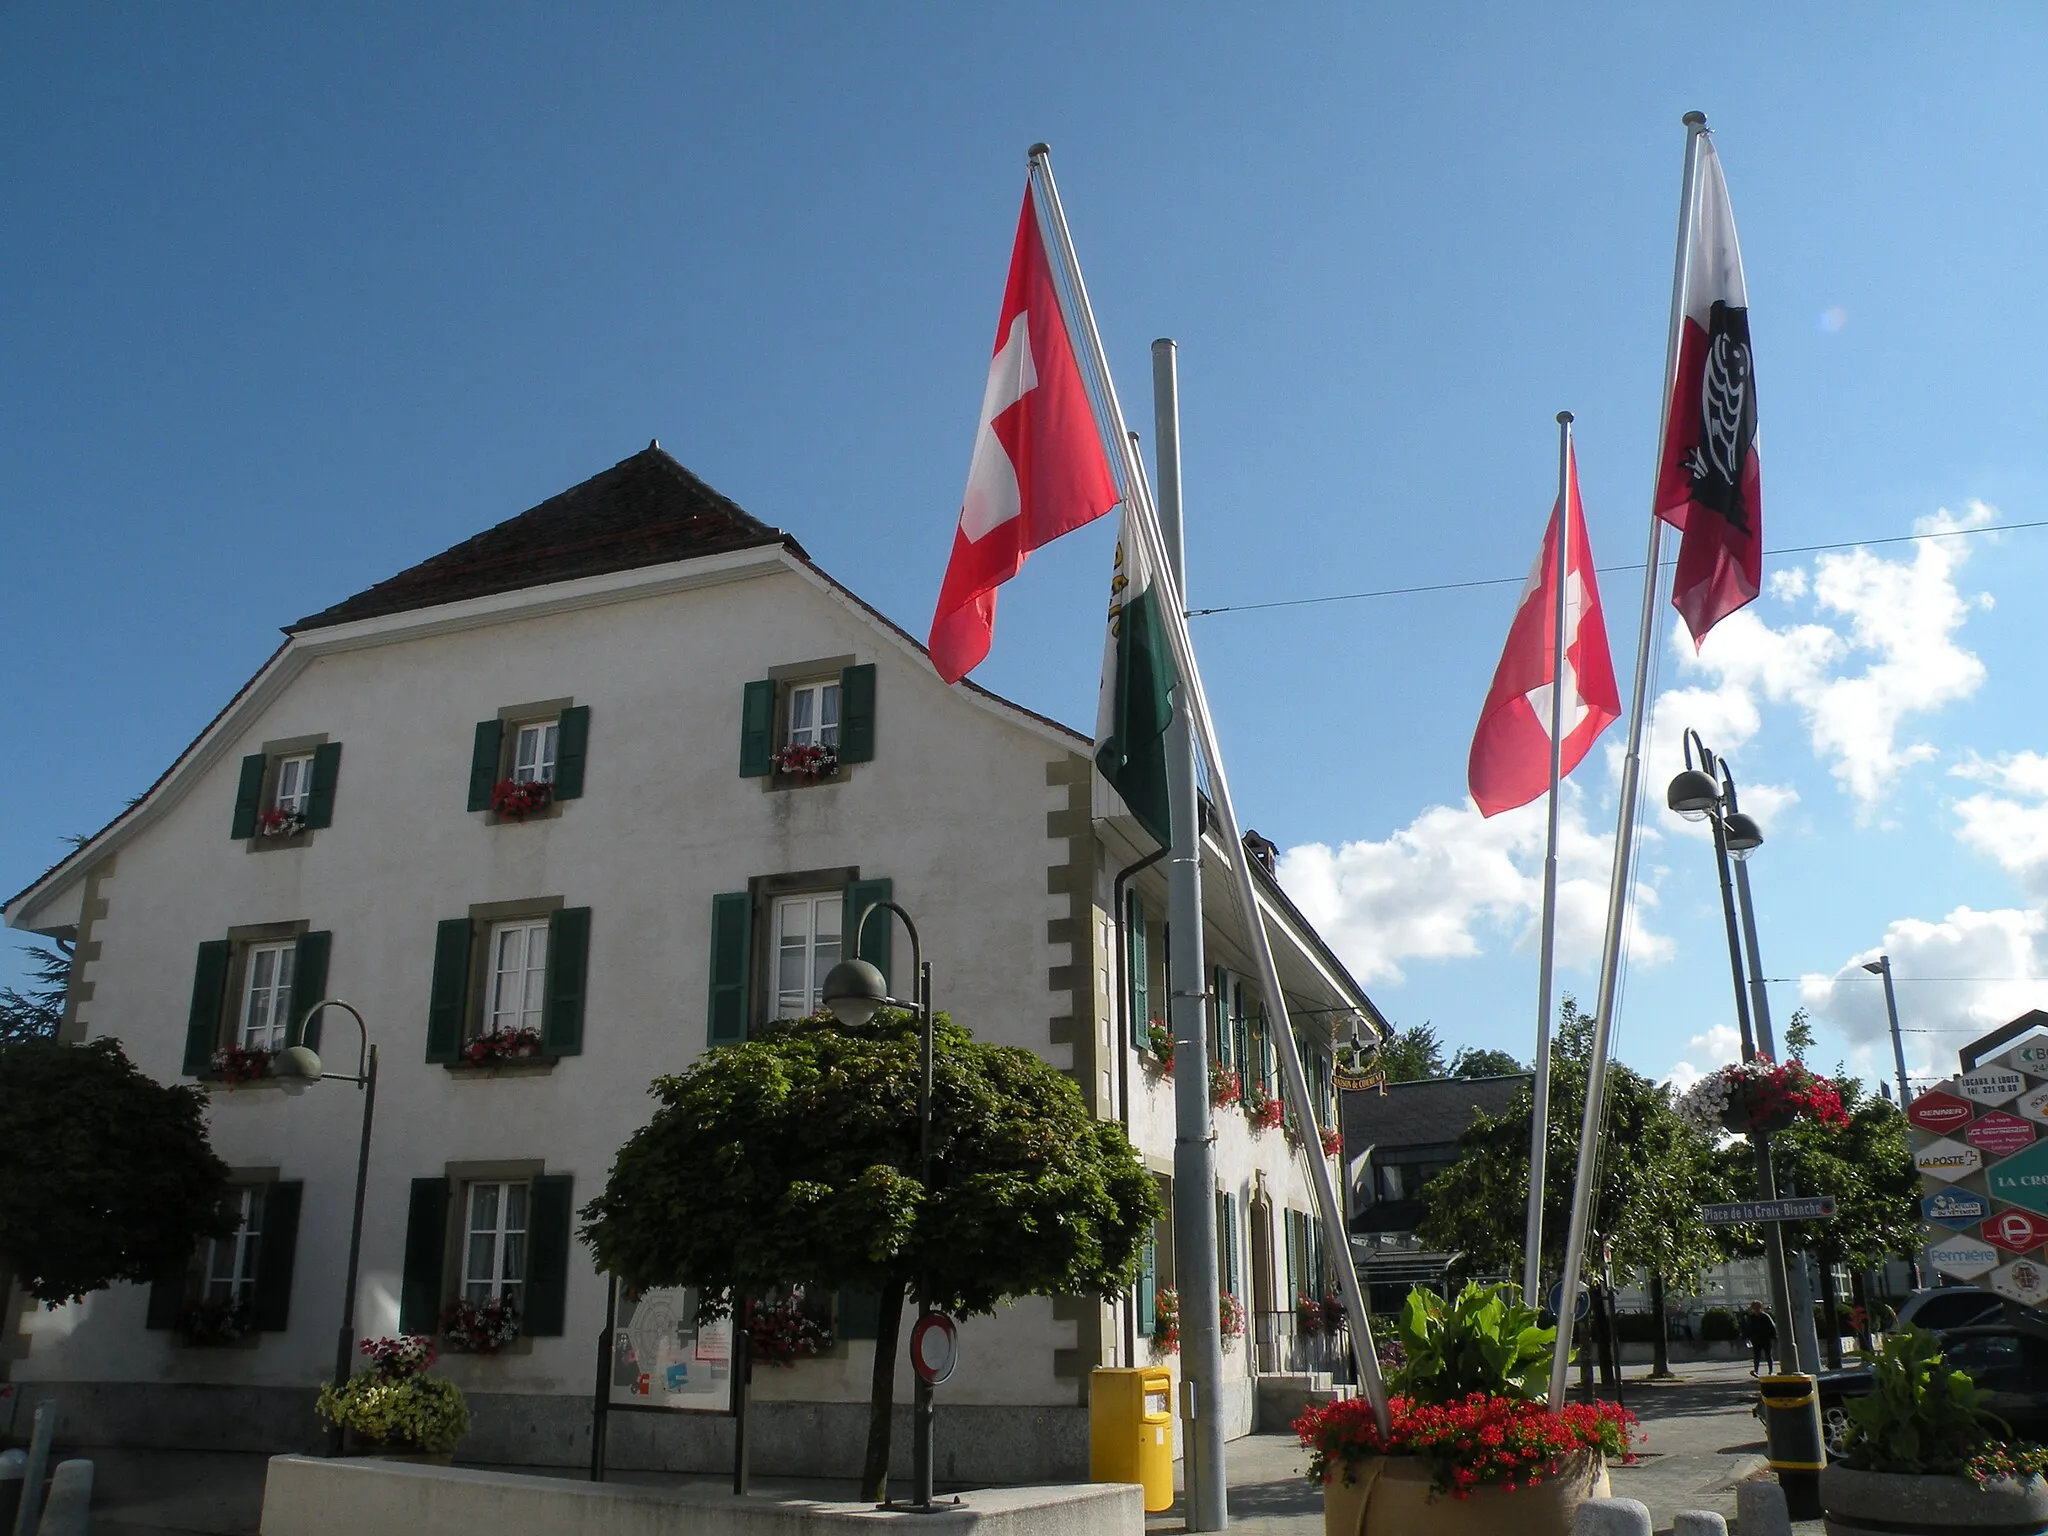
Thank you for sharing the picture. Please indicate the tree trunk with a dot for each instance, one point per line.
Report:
(1660, 1356)
(1828, 1311)
(1603, 1324)
(874, 1476)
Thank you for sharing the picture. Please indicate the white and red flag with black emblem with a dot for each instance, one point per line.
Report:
(1038, 469)
(1510, 762)
(1709, 485)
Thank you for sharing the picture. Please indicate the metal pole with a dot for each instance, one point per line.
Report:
(344, 1348)
(1631, 772)
(921, 1412)
(1759, 998)
(1144, 521)
(1194, 1147)
(1891, 1009)
(1539, 1118)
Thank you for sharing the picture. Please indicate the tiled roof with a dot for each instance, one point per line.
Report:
(1430, 1113)
(646, 510)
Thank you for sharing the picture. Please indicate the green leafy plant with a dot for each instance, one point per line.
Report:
(1921, 1415)
(1720, 1325)
(1483, 1342)
(395, 1402)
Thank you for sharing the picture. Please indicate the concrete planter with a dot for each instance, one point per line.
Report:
(1857, 1503)
(1390, 1496)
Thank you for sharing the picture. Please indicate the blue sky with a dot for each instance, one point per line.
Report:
(294, 297)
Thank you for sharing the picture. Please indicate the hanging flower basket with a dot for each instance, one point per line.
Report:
(1761, 1097)
(276, 823)
(231, 1064)
(479, 1328)
(808, 762)
(515, 800)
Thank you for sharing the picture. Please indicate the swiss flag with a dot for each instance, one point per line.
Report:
(1510, 763)
(1038, 469)
(1709, 484)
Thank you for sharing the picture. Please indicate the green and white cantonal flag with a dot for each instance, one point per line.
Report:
(1135, 703)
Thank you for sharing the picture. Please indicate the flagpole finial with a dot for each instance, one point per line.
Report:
(1045, 149)
(1692, 120)
(1565, 418)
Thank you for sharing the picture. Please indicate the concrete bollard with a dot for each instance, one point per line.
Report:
(1760, 1509)
(1612, 1517)
(69, 1509)
(1698, 1522)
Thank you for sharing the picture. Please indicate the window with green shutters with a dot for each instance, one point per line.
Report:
(510, 972)
(1137, 970)
(248, 1270)
(254, 993)
(286, 791)
(437, 1221)
(806, 728)
(529, 745)
(1147, 1298)
(773, 944)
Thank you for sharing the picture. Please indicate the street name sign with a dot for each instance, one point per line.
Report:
(1940, 1112)
(1992, 1085)
(2022, 1179)
(2000, 1134)
(1740, 1213)
(2017, 1231)
(1963, 1257)
(1959, 1209)
(1950, 1160)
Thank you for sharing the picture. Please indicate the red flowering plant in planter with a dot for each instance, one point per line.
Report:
(1265, 1114)
(1464, 1402)
(501, 1045)
(1166, 1321)
(1225, 1087)
(1159, 1048)
(280, 823)
(1760, 1095)
(808, 762)
(1332, 1140)
(783, 1332)
(517, 799)
(479, 1327)
(1308, 1315)
(1230, 1316)
(232, 1064)
(1333, 1314)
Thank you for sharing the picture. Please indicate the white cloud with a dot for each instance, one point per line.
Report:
(1436, 888)
(2010, 828)
(1956, 979)
(1789, 585)
(1715, 1048)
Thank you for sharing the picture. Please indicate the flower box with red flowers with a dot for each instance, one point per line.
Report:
(1308, 1315)
(1158, 1054)
(1225, 1088)
(214, 1322)
(479, 1327)
(1331, 1138)
(1230, 1319)
(517, 799)
(277, 823)
(501, 1046)
(232, 1064)
(1265, 1114)
(809, 763)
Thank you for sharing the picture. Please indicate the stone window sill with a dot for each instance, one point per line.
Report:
(522, 1066)
(262, 844)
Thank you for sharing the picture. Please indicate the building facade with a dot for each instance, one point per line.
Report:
(558, 810)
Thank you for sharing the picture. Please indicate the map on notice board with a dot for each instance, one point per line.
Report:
(663, 1358)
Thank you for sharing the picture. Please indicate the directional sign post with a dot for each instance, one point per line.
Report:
(1740, 1213)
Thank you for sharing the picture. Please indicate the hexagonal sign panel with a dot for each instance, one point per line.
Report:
(1951, 1160)
(1957, 1209)
(2034, 1104)
(1992, 1085)
(1963, 1257)
(2030, 1056)
(2016, 1231)
(1999, 1134)
(1940, 1112)
(2022, 1179)
(2023, 1280)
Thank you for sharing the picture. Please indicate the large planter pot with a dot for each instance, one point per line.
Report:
(1390, 1496)
(1858, 1503)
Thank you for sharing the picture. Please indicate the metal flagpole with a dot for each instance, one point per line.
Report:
(1631, 772)
(1145, 522)
(1539, 1118)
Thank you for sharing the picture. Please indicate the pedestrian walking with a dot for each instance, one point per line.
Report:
(1762, 1334)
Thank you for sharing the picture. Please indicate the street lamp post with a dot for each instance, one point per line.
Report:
(299, 1067)
(1882, 966)
(1706, 791)
(853, 990)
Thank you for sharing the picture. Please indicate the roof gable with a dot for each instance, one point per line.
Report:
(644, 510)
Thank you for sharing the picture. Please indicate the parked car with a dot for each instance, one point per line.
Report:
(2007, 1361)
(1953, 1306)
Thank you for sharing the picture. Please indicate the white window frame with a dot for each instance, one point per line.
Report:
(234, 1281)
(536, 746)
(293, 793)
(818, 952)
(813, 701)
(495, 1247)
(515, 994)
(264, 1018)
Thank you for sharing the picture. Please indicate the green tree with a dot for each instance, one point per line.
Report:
(106, 1174)
(35, 1014)
(1475, 1062)
(1798, 1035)
(1653, 1175)
(793, 1160)
(1412, 1054)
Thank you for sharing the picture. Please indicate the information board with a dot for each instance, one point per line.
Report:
(662, 1357)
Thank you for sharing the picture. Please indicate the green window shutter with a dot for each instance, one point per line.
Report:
(857, 714)
(270, 1305)
(320, 798)
(248, 796)
(1148, 1286)
(1137, 965)
(1230, 1210)
(426, 1246)
(483, 762)
(209, 997)
(757, 730)
(1219, 1020)
(561, 1019)
(167, 1295)
(309, 984)
(732, 952)
(875, 945)
(857, 1314)
(449, 999)
(572, 744)
(547, 1256)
